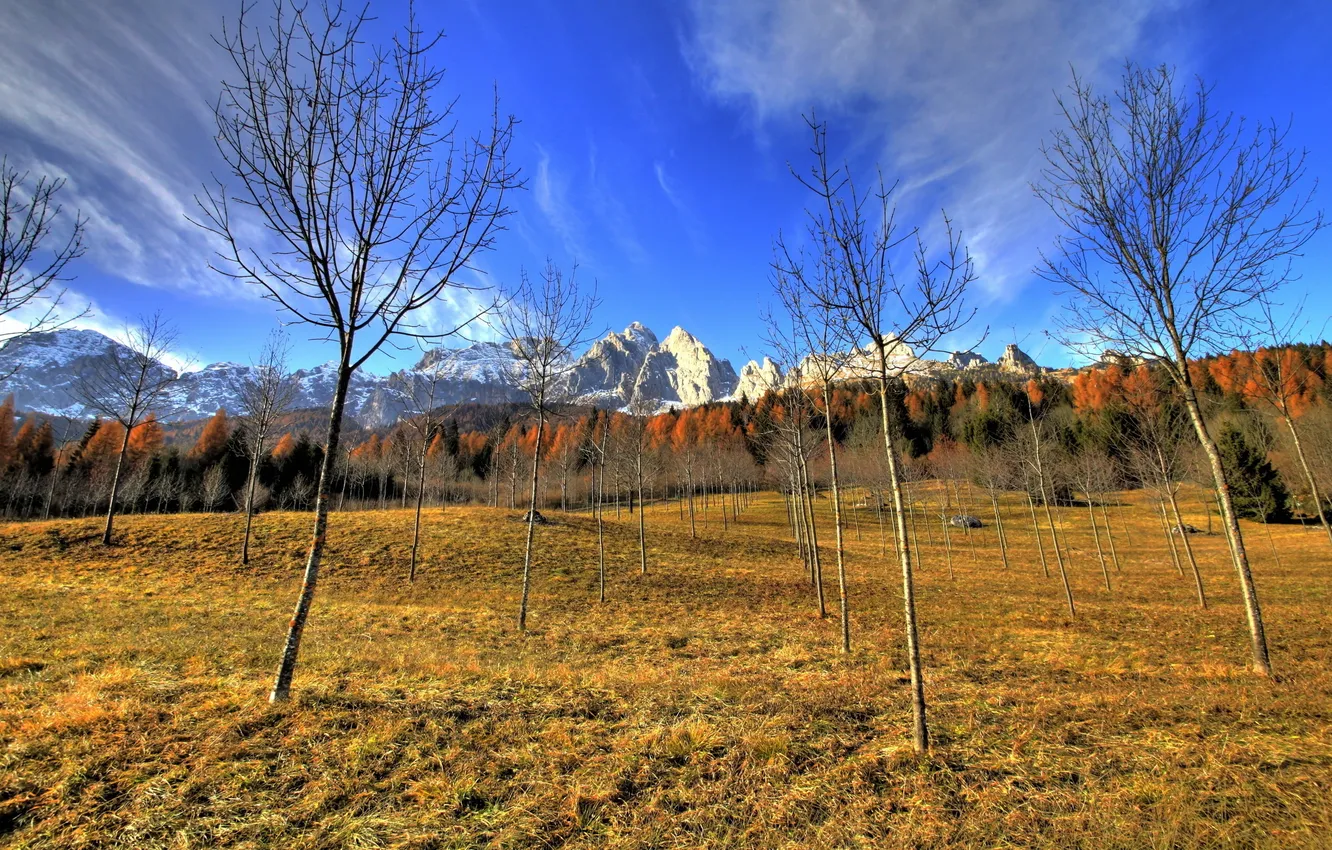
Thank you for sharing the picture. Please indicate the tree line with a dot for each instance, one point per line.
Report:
(1278, 446)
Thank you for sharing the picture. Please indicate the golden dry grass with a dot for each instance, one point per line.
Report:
(702, 705)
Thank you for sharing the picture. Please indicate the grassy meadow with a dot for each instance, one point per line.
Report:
(703, 705)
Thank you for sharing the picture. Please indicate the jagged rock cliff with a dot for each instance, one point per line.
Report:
(682, 370)
(1016, 361)
(756, 379)
(609, 370)
(963, 360)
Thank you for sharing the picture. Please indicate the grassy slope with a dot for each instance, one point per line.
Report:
(703, 705)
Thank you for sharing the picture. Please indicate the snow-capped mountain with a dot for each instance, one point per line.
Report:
(46, 371)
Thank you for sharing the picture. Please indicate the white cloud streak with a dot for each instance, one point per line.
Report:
(552, 196)
(114, 96)
(959, 94)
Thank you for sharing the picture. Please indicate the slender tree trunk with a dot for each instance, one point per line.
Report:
(929, 526)
(999, 529)
(115, 488)
(790, 511)
(1054, 537)
(342, 496)
(513, 477)
(1272, 543)
(1036, 532)
(920, 729)
(966, 529)
(287, 667)
(947, 534)
(1096, 534)
(50, 490)
(915, 535)
(600, 509)
(531, 516)
(642, 530)
(883, 535)
(420, 496)
(1110, 535)
(1188, 550)
(689, 483)
(813, 531)
(1262, 662)
(800, 531)
(837, 523)
(250, 482)
(1308, 475)
(1170, 537)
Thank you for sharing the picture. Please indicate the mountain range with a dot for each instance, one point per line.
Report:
(45, 372)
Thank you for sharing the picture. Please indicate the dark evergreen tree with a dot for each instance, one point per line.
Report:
(1255, 484)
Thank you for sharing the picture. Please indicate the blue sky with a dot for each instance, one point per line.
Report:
(655, 137)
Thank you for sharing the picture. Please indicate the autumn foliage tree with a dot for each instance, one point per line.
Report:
(212, 440)
(1282, 381)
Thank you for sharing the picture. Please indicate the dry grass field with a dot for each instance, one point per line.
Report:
(704, 705)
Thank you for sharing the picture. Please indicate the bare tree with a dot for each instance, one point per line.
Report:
(213, 487)
(596, 449)
(641, 409)
(62, 445)
(990, 466)
(31, 265)
(1277, 376)
(1042, 469)
(354, 202)
(898, 317)
(1156, 446)
(546, 323)
(126, 384)
(423, 422)
(263, 397)
(1084, 469)
(1177, 220)
(817, 333)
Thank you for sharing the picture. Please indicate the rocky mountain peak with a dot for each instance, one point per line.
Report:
(965, 360)
(680, 339)
(639, 331)
(757, 378)
(1016, 360)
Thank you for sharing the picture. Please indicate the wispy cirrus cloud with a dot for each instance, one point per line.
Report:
(551, 190)
(114, 96)
(957, 95)
(687, 216)
(584, 209)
